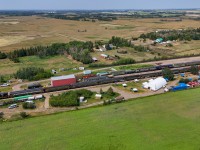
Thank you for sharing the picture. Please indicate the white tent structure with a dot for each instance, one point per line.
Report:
(156, 84)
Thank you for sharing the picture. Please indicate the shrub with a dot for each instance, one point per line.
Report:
(184, 80)
(167, 73)
(110, 92)
(70, 98)
(1, 115)
(23, 114)
(3, 55)
(28, 105)
(194, 70)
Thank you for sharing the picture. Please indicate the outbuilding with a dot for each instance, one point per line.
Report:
(98, 96)
(63, 80)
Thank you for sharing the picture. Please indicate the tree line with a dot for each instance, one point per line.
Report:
(187, 34)
(80, 51)
(32, 73)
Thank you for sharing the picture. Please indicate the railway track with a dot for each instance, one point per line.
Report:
(106, 80)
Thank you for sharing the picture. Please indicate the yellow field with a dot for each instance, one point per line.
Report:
(18, 32)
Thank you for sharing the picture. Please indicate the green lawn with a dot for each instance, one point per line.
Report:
(164, 122)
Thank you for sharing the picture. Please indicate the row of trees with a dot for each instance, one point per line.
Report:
(120, 42)
(123, 61)
(70, 98)
(83, 17)
(32, 73)
(188, 34)
(80, 51)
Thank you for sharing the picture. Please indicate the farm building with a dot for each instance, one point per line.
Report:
(156, 84)
(63, 80)
(159, 40)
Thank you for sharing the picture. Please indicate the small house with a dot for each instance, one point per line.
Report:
(159, 40)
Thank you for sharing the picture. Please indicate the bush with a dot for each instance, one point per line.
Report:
(184, 80)
(3, 55)
(1, 115)
(110, 92)
(28, 105)
(194, 70)
(70, 98)
(23, 114)
(167, 73)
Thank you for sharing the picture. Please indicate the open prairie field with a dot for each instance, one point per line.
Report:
(18, 32)
(56, 62)
(167, 121)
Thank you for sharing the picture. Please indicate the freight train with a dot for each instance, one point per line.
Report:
(159, 67)
(92, 82)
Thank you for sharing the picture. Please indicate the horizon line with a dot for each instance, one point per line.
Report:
(98, 9)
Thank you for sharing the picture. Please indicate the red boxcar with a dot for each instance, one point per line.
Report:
(63, 80)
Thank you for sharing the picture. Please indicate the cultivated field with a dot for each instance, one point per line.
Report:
(167, 121)
(18, 32)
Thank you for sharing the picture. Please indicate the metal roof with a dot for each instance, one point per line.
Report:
(63, 77)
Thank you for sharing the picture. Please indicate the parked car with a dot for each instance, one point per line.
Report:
(13, 106)
(5, 85)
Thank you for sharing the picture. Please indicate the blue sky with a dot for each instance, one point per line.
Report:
(98, 4)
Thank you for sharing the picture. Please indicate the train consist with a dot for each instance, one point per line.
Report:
(118, 76)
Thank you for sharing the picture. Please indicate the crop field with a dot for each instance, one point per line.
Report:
(167, 121)
(18, 32)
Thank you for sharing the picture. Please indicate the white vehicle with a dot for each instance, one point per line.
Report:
(30, 102)
(39, 96)
(124, 85)
(5, 85)
(31, 98)
(12, 106)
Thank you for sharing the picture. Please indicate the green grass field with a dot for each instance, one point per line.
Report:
(55, 62)
(163, 122)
